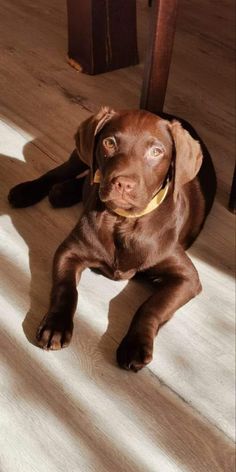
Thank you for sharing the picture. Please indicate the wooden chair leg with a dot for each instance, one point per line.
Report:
(102, 34)
(159, 55)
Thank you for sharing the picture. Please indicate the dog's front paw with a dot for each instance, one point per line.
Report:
(134, 352)
(27, 194)
(54, 332)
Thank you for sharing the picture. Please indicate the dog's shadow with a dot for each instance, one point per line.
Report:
(42, 228)
(121, 311)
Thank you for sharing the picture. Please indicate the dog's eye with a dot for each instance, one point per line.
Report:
(155, 151)
(109, 143)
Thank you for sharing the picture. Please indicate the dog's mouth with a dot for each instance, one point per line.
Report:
(115, 203)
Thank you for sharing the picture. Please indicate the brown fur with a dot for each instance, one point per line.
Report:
(120, 247)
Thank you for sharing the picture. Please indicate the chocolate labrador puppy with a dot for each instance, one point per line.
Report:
(147, 185)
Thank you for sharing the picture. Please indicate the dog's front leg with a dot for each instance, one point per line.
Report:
(56, 328)
(180, 283)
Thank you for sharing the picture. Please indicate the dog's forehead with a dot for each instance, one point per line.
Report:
(139, 124)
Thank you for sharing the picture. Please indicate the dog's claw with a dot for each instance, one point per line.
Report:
(54, 332)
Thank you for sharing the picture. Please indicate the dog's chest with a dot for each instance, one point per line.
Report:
(123, 257)
(124, 260)
(121, 264)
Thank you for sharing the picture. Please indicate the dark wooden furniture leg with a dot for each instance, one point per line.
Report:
(162, 32)
(102, 34)
(232, 198)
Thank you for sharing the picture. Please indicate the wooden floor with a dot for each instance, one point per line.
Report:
(74, 410)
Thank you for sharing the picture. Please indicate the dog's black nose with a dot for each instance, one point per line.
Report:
(123, 184)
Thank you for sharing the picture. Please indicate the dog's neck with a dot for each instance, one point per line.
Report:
(152, 205)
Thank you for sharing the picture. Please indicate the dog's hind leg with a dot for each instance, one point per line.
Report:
(31, 192)
(66, 193)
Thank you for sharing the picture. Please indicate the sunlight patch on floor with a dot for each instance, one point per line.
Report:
(12, 144)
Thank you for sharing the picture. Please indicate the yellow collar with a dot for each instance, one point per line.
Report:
(152, 205)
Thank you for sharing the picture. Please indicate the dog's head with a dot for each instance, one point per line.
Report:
(133, 151)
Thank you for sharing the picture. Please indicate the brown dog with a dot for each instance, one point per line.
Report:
(148, 189)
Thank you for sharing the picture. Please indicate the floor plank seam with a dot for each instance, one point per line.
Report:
(190, 406)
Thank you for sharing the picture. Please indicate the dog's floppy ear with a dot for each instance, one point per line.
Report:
(86, 135)
(188, 156)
